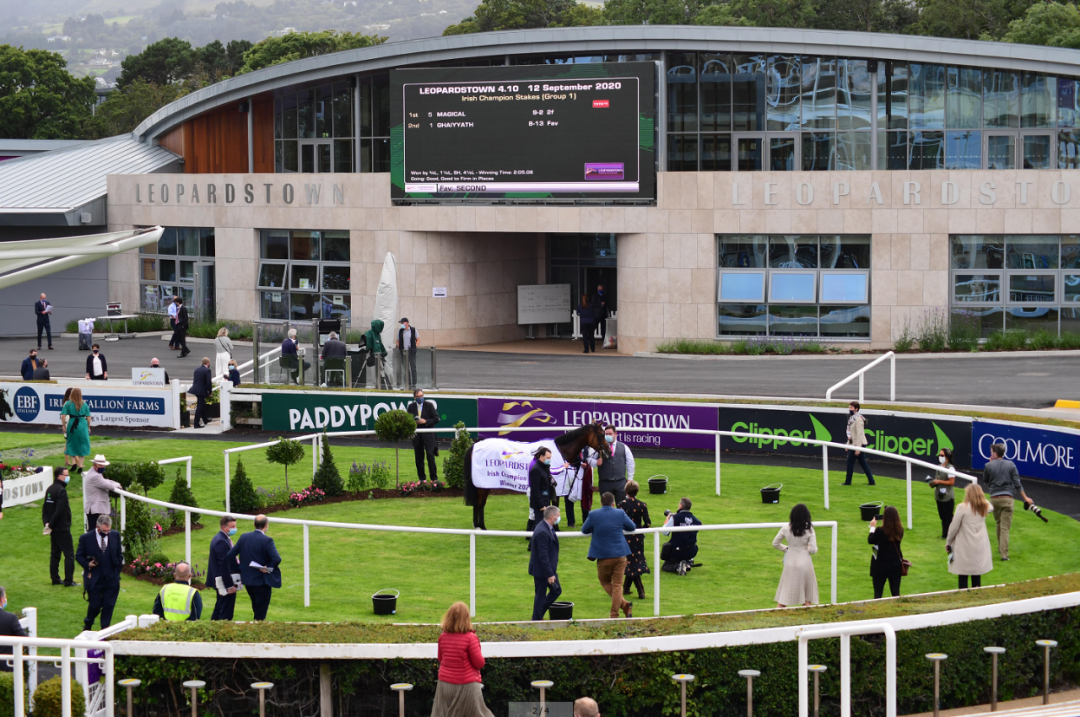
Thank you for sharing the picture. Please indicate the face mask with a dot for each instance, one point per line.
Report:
(547, 461)
(67, 479)
(402, 325)
(609, 439)
(3, 605)
(941, 460)
(558, 519)
(419, 399)
(232, 531)
(851, 410)
(95, 350)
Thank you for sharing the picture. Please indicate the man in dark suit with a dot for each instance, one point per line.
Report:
(56, 516)
(610, 550)
(43, 311)
(334, 347)
(41, 373)
(406, 343)
(29, 365)
(102, 558)
(290, 356)
(544, 563)
(9, 627)
(202, 385)
(154, 363)
(600, 311)
(424, 443)
(219, 574)
(180, 334)
(257, 547)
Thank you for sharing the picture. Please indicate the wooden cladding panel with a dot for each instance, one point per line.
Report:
(173, 140)
(263, 131)
(218, 143)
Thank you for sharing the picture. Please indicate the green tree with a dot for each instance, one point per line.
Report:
(393, 427)
(125, 108)
(1047, 23)
(39, 98)
(968, 19)
(892, 16)
(242, 495)
(327, 478)
(286, 453)
(653, 12)
(234, 55)
(491, 15)
(298, 45)
(183, 495)
(161, 63)
(453, 466)
(775, 13)
(213, 59)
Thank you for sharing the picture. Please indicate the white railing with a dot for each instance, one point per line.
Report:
(576, 330)
(29, 624)
(844, 632)
(182, 459)
(316, 446)
(861, 372)
(65, 660)
(251, 364)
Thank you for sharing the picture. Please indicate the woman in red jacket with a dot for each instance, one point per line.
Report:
(459, 691)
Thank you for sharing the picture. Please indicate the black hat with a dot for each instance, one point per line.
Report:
(403, 321)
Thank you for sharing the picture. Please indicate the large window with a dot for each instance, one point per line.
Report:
(304, 275)
(793, 285)
(180, 264)
(1011, 281)
(313, 129)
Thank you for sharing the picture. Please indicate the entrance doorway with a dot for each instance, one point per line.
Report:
(585, 262)
(315, 157)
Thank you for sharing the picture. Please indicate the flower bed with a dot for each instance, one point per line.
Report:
(426, 486)
(9, 470)
(306, 497)
(152, 570)
(384, 493)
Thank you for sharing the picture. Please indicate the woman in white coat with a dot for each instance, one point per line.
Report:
(798, 583)
(968, 542)
(223, 346)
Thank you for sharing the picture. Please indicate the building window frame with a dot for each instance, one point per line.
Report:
(315, 293)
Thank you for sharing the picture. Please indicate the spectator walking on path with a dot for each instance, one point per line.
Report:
(56, 518)
(544, 562)
(886, 564)
(29, 365)
(234, 374)
(798, 583)
(174, 308)
(637, 564)
(97, 368)
(459, 691)
(600, 308)
(943, 490)
(222, 574)
(75, 417)
(587, 324)
(968, 542)
(223, 348)
(43, 310)
(181, 327)
(101, 556)
(259, 561)
(610, 550)
(202, 387)
(856, 437)
(1003, 483)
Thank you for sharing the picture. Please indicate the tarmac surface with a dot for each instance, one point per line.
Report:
(1024, 380)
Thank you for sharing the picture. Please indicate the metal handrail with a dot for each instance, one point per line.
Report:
(844, 632)
(66, 660)
(892, 377)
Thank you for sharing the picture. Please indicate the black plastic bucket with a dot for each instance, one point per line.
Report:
(658, 484)
(771, 493)
(869, 511)
(561, 611)
(385, 604)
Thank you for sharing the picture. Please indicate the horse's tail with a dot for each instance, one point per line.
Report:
(471, 497)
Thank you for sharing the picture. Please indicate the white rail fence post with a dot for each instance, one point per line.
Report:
(844, 632)
(718, 464)
(472, 575)
(307, 566)
(891, 356)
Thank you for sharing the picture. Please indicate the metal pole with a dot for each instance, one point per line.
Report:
(307, 567)
(749, 675)
(1046, 645)
(472, 574)
(937, 686)
(656, 574)
(909, 509)
(131, 705)
(262, 705)
(717, 478)
(683, 685)
(187, 536)
(825, 472)
(401, 703)
(65, 679)
(845, 676)
(994, 652)
(817, 695)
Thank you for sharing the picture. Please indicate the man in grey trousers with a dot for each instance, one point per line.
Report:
(1003, 483)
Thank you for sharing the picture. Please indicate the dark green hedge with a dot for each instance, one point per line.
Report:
(640, 685)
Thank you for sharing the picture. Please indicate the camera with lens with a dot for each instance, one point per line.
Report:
(1037, 511)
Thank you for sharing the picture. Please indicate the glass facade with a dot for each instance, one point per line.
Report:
(1017, 281)
(180, 264)
(793, 285)
(314, 128)
(304, 275)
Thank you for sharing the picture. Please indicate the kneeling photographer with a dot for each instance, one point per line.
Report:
(678, 553)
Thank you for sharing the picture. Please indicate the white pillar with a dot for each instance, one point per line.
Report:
(307, 567)
(717, 464)
(227, 481)
(472, 574)
(656, 574)
(909, 510)
(825, 472)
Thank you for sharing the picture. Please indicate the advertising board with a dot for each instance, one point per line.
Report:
(27, 489)
(340, 412)
(41, 403)
(920, 437)
(632, 419)
(1037, 452)
(534, 132)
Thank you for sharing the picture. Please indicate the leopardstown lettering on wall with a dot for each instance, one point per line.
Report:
(229, 193)
(912, 193)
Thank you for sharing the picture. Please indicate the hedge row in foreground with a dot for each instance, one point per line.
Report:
(640, 685)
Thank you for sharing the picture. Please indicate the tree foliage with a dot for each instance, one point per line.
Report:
(182, 495)
(285, 452)
(125, 108)
(242, 495)
(161, 63)
(298, 45)
(328, 478)
(39, 98)
(1047, 23)
(393, 427)
(453, 465)
(48, 699)
(491, 15)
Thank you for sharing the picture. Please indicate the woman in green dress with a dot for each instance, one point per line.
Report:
(76, 418)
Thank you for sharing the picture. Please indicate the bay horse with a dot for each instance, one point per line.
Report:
(570, 445)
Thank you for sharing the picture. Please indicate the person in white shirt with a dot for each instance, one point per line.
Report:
(616, 470)
(173, 308)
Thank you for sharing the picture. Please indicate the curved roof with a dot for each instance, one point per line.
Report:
(614, 38)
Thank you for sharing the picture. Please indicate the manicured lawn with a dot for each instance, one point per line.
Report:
(740, 570)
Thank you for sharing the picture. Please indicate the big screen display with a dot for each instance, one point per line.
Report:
(566, 132)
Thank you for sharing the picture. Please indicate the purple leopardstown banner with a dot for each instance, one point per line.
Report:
(632, 419)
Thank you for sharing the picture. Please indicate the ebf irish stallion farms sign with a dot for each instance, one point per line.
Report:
(42, 403)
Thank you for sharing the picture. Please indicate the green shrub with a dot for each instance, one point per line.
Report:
(139, 324)
(367, 477)
(1043, 340)
(393, 427)
(242, 495)
(238, 330)
(327, 478)
(964, 331)
(932, 329)
(1006, 341)
(453, 466)
(48, 699)
(285, 452)
(139, 535)
(812, 346)
(147, 474)
(692, 346)
(1069, 340)
(7, 694)
(182, 495)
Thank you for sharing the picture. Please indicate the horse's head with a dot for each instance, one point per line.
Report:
(596, 440)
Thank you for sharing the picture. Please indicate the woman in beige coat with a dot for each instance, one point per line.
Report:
(798, 583)
(968, 542)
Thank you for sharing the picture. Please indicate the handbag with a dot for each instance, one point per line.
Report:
(665, 551)
(904, 563)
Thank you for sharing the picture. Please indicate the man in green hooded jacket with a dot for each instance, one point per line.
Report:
(374, 345)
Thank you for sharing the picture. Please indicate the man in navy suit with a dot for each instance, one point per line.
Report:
(102, 558)
(219, 576)
(41, 308)
(256, 547)
(544, 563)
(201, 387)
(610, 550)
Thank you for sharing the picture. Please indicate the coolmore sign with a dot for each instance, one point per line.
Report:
(41, 403)
(632, 419)
(913, 437)
(1037, 452)
(339, 412)
(20, 491)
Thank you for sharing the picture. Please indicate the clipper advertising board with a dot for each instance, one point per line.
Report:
(918, 438)
(573, 132)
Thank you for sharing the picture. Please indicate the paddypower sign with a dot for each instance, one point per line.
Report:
(339, 412)
(783, 428)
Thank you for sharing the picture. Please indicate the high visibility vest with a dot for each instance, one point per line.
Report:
(176, 601)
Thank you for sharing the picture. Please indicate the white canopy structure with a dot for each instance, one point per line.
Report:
(25, 260)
